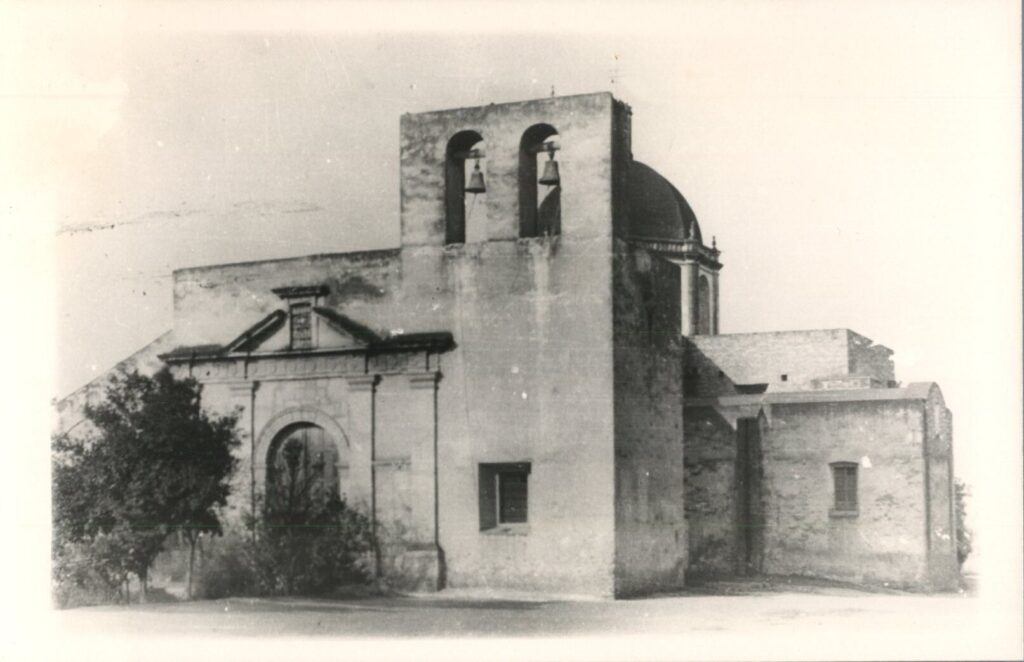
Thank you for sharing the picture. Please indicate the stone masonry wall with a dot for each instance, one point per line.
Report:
(884, 542)
(763, 358)
(710, 458)
(650, 532)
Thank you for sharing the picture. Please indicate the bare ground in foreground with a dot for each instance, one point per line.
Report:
(752, 621)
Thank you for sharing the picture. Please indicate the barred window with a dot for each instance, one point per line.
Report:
(302, 326)
(844, 481)
(503, 494)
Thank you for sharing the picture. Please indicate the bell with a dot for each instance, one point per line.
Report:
(550, 176)
(476, 181)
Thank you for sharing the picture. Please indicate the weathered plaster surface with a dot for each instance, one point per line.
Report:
(886, 542)
(650, 533)
(567, 356)
(784, 360)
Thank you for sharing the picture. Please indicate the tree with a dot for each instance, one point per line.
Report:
(963, 533)
(155, 463)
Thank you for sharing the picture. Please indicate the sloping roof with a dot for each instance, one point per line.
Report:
(370, 341)
(346, 324)
(193, 351)
(440, 341)
(257, 333)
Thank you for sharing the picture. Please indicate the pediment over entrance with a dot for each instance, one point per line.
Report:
(321, 328)
(316, 329)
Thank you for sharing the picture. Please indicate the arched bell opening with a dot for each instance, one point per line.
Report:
(540, 183)
(465, 186)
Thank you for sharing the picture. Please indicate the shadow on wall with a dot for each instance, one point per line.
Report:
(710, 483)
(703, 377)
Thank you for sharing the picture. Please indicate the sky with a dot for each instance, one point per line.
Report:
(857, 162)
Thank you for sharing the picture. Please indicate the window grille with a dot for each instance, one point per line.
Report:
(844, 479)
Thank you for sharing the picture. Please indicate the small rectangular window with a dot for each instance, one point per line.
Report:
(844, 483)
(504, 494)
(301, 326)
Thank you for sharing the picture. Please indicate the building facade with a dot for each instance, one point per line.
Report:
(530, 391)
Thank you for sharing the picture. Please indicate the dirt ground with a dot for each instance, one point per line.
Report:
(739, 620)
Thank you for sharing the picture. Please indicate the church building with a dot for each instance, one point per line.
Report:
(531, 391)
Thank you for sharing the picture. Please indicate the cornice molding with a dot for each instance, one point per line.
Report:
(424, 380)
(300, 291)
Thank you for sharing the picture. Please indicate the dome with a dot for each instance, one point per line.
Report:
(657, 210)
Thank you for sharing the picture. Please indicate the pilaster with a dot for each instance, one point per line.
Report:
(362, 404)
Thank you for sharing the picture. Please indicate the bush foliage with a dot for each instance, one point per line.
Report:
(156, 462)
(311, 553)
(963, 533)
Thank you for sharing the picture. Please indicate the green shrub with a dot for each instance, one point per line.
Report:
(226, 569)
(87, 573)
(313, 551)
(963, 533)
(310, 551)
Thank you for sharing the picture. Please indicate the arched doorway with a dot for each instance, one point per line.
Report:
(302, 472)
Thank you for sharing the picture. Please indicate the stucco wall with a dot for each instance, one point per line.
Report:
(217, 303)
(531, 378)
(650, 531)
(530, 381)
(584, 125)
(885, 541)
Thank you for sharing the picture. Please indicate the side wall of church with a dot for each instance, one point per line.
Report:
(650, 527)
(885, 541)
(903, 496)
